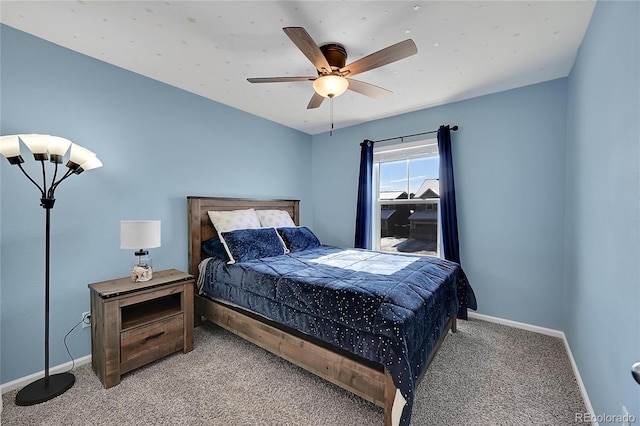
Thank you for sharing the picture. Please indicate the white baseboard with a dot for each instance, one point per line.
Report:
(520, 325)
(23, 381)
(548, 332)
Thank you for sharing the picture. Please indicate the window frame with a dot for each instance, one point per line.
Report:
(413, 149)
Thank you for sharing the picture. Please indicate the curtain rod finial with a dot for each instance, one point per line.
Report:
(454, 128)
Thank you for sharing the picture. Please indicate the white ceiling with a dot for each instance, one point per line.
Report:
(465, 48)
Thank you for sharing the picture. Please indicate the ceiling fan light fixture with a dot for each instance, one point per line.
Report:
(330, 86)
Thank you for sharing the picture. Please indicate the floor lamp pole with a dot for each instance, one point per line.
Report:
(49, 386)
(47, 259)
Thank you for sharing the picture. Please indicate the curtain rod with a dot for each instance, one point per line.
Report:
(454, 128)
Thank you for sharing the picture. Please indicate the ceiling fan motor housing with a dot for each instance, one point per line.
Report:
(336, 55)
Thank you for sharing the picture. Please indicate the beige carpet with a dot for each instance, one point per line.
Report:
(485, 374)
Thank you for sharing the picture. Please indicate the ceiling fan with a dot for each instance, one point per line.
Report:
(334, 77)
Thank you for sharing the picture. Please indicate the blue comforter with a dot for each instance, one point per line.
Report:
(386, 307)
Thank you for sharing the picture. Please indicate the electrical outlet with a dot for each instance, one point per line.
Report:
(86, 319)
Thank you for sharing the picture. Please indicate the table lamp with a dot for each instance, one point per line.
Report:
(140, 235)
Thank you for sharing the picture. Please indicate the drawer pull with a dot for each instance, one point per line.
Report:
(153, 336)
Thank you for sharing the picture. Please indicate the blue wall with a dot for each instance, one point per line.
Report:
(158, 145)
(603, 207)
(509, 157)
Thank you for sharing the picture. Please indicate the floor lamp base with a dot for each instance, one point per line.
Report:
(38, 391)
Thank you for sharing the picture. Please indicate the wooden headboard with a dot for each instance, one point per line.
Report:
(201, 229)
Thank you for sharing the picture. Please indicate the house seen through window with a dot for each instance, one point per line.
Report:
(407, 193)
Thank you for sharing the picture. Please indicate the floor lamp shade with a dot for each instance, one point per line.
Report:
(140, 235)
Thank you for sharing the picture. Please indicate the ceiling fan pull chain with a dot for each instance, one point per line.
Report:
(331, 114)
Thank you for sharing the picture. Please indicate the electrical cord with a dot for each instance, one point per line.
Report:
(64, 340)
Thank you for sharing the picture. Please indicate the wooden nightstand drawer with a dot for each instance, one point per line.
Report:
(152, 337)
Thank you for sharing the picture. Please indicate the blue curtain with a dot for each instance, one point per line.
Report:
(364, 207)
(449, 220)
(448, 214)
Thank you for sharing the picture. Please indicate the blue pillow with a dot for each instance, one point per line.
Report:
(247, 244)
(215, 248)
(298, 238)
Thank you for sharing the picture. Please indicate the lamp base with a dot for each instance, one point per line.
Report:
(141, 273)
(39, 391)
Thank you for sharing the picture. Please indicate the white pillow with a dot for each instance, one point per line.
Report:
(231, 220)
(275, 219)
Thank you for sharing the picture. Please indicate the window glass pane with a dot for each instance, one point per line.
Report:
(393, 178)
(409, 228)
(421, 169)
(408, 202)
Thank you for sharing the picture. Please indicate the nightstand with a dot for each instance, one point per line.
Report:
(133, 324)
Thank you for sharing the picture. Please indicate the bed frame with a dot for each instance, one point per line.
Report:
(368, 381)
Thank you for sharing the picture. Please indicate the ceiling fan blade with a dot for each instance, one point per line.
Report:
(279, 79)
(316, 101)
(368, 89)
(381, 57)
(301, 38)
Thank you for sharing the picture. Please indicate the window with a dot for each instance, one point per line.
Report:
(407, 193)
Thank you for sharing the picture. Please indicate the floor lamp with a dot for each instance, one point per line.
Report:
(52, 148)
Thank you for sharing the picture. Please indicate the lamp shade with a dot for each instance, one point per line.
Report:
(90, 164)
(57, 148)
(37, 144)
(330, 86)
(10, 146)
(78, 155)
(139, 234)
(58, 145)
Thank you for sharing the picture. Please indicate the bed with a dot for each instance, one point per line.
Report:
(361, 352)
